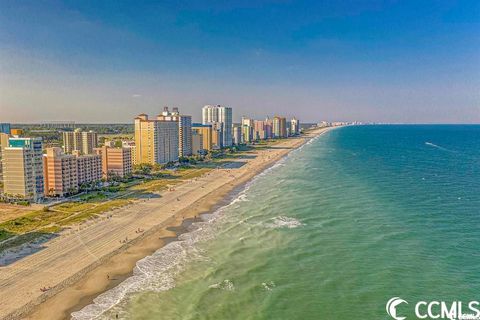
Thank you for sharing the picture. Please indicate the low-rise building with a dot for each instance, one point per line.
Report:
(89, 168)
(16, 132)
(115, 161)
(60, 173)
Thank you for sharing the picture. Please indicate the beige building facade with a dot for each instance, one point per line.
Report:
(81, 141)
(206, 132)
(115, 161)
(60, 173)
(156, 141)
(22, 166)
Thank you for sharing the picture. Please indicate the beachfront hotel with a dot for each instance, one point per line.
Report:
(65, 173)
(261, 130)
(184, 129)
(206, 132)
(3, 143)
(279, 127)
(221, 118)
(60, 173)
(237, 134)
(116, 162)
(247, 129)
(23, 168)
(156, 140)
(81, 141)
(197, 143)
(294, 126)
(131, 145)
(89, 168)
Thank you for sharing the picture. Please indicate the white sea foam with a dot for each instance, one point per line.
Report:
(226, 285)
(283, 222)
(268, 286)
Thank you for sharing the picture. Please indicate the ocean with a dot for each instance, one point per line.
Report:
(340, 226)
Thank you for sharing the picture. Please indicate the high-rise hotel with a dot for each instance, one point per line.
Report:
(220, 117)
(80, 141)
(156, 140)
(184, 130)
(23, 168)
(279, 127)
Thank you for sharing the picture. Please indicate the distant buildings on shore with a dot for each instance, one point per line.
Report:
(79, 141)
(221, 119)
(29, 172)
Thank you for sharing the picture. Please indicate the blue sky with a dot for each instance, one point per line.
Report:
(99, 61)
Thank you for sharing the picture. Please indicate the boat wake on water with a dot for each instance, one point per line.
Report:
(433, 145)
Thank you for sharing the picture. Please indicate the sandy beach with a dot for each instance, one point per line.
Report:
(84, 261)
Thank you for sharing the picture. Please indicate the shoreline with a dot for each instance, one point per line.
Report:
(83, 286)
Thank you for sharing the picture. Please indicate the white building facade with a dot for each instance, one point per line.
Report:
(212, 114)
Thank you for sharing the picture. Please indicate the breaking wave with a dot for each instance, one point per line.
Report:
(283, 222)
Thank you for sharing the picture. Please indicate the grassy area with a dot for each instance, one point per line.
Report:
(35, 221)
(90, 205)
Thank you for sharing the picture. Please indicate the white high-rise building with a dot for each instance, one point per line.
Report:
(222, 115)
(184, 129)
(294, 126)
(167, 141)
(184, 134)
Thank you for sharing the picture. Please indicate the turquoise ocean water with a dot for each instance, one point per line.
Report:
(357, 216)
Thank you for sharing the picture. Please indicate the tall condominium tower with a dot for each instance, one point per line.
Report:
(23, 168)
(206, 133)
(3, 144)
(237, 134)
(294, 126)
(116, 162)
(184, 133)
(81, 141)
(247, 129)
(156, 141)
(279, 127)
(222, 115)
